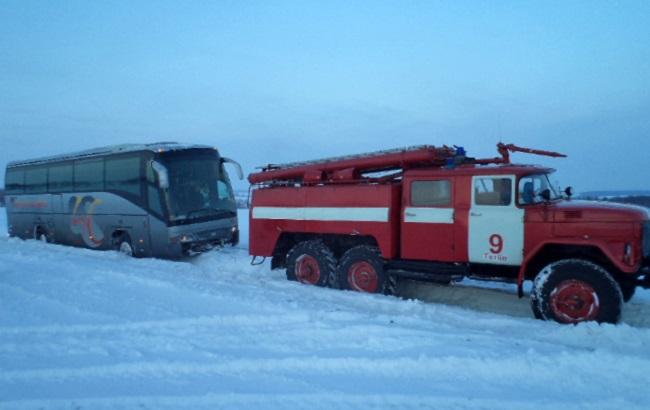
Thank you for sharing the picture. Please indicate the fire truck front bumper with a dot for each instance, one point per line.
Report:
(645, 266)
(644, 274)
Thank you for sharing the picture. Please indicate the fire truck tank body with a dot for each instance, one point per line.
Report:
(368, 210)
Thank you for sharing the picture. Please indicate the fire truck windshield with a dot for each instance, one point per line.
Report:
(199, 187)
(533, 189)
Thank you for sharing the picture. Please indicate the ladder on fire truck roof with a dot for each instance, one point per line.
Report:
(351, 167)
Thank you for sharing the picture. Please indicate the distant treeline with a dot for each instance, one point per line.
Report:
(635, 200)
(641, 200)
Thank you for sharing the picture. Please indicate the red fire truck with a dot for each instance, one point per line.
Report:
(433, 213)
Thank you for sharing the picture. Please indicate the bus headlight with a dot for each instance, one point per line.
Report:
(181, 238)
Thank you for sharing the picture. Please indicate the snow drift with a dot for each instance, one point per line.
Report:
(82, 329)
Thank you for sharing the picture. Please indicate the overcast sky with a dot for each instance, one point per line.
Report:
(283, 81)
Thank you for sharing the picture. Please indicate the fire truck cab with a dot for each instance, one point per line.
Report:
(434, 214)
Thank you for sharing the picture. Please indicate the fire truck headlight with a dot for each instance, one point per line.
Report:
(627, 255)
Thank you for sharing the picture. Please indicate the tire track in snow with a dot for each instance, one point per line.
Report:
(431, 368)
(248, 320)
(47, 303)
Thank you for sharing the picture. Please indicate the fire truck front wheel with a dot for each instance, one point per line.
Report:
(362, 269)
(574, 291)
(311, 263)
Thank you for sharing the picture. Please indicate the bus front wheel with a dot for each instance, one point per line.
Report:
(122, 244)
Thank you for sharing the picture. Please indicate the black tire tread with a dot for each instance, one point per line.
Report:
(372, 254)
(627, 289)
(607, 288)
(320, 251)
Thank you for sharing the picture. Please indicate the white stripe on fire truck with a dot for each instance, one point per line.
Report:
(321, 214)
(429, 215)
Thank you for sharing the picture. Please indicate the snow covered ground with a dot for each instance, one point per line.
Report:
(82, 329)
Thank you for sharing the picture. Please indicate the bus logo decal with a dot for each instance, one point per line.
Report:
(82, 222)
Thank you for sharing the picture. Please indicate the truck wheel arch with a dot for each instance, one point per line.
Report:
(553, 251)
(549, 252)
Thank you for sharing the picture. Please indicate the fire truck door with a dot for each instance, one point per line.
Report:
(428, 220)
(496, 225)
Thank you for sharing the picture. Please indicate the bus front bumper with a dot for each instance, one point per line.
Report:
(190, 244)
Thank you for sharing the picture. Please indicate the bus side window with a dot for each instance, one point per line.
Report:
(89, 175)
(123, 175)
(60, 178)
(36, 180)
(154, 199)
(15, 181)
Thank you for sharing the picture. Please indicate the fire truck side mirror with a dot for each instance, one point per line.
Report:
(568, 191)
(545, 194)
(240, 172)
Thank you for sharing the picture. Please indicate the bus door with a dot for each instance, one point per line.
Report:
(56, 203)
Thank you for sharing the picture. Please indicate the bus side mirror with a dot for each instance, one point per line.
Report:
(240, 172)
(163, 175)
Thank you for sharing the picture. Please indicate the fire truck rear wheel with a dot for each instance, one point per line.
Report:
(311, 263)
(362, 269)
(575, 290)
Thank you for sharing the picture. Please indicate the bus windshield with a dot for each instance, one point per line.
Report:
(199, 187)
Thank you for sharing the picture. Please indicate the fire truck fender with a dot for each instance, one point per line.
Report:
(543, 253)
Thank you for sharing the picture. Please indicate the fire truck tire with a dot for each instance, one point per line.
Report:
(362, 269)
(534, 306)
(311, 263)
(575, 290)
(628, 289)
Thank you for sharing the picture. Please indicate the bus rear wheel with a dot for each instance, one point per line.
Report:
(40, 234)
